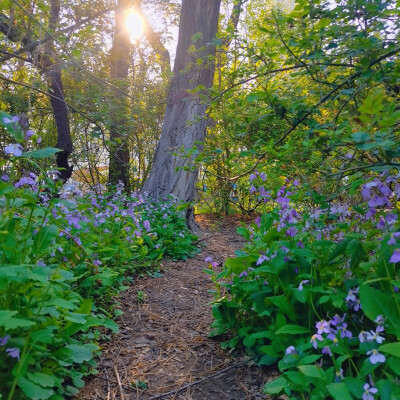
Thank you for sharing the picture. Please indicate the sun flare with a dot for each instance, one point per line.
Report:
(135, 25)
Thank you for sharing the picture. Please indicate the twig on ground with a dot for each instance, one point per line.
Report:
(119, 383)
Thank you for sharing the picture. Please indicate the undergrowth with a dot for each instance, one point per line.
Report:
(65, 255)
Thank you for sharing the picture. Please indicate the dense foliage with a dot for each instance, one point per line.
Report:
(64, 258)
(313, 117)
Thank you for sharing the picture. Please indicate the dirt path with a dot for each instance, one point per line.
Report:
(163, 337)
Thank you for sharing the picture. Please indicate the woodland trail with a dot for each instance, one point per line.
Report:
(163, 339)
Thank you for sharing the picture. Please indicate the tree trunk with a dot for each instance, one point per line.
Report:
(120, 55)
(185, 120)
(60, 109)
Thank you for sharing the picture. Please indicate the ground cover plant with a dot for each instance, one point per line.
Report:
(65, 255)
(316, 290)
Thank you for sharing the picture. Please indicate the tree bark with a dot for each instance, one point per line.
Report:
(185, 120)
(120, 55)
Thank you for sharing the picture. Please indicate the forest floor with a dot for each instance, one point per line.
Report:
(163, 340)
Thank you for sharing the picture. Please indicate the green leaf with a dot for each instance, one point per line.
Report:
(312, 371)
(42, 379)
(44, 238)
(9, 322)
(33, 391)
(284, 305)
(292, 330)
(339, 391)
(375, 302)
(391, 348)
(81, 353)
(276, 386)
(43, 335)
(42, 153)
(310, 359)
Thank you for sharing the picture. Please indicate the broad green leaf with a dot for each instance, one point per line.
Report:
(312, 371)
(292, 330)
(339, 391)
(81, 353)
(42, 153)
(34, 391)
(276, 386)
(44, 238)
(375, 302)
(391, 348)
(42, 379)
(9, 322)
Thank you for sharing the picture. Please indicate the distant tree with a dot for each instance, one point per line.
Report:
(120, 59)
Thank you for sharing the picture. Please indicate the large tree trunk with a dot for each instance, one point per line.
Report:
(185, 120)
(120, 55)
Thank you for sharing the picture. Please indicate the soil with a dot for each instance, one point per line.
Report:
(163, 346)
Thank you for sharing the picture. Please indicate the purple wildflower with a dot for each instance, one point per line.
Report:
(376, 201)
(262, 258)
(314, 340)
(391, 218)
(252, 189)
(381, 223)
(392, 240)
(395, 256)
(291, 231)
(4, 340)
(208, 259)
(374, 335)
(146, 225)
(327, 350)
(252, 177)
(369, 392)
(323, 327)
(375, 357)
(29, 133)
(7, 120)
(302, 283)
(13, 352)
(15, 149)
(362, 337)
(291, 350)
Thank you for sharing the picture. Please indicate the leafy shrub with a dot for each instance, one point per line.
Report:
(63, 259)
(316, 290)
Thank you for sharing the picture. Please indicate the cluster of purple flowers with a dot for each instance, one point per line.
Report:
(353, 303)
(29, 181)
(332, 330)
